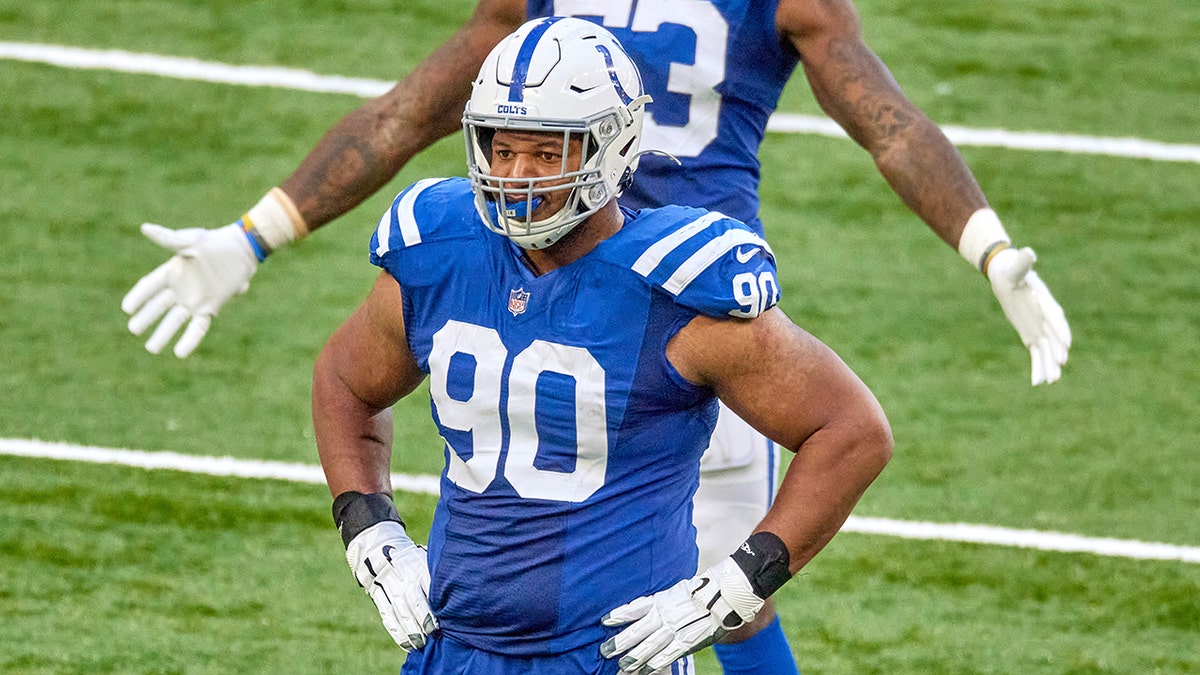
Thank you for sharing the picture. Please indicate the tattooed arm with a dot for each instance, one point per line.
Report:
(856, 89)
(364, 150)
(360, 154)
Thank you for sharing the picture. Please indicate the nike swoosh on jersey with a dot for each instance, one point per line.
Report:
(745, 256)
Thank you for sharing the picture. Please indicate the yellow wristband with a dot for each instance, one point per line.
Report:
(989, 253)
(276, 220)
(982, 237)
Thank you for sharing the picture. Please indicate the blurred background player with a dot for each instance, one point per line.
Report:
(715, 69)
(575, 350)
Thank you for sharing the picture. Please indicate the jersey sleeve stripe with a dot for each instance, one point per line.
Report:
(382, 231)
(650, 260)
(708, 254)
(405, 220)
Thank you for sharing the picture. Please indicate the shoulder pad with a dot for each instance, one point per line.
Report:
(708, 261)
(428, 210)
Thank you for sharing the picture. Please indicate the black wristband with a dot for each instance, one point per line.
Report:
(764, 559)
(354, 512)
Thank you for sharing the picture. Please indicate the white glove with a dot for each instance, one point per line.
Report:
(685, 618)
(1031, 309)
(395, 573)
(208, 268)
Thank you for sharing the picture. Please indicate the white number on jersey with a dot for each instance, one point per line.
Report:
(756, 292)
(480, 413)
(697, 80)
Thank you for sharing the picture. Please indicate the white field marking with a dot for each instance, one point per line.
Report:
(1002, 536)
(189, 69)
(1015, 140)
(308, 473)
(292, 78)
(212, 466)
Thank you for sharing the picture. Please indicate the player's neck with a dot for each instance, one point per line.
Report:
(578, 242)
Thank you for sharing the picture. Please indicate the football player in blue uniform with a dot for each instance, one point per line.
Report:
(575, 351)
(715, 69)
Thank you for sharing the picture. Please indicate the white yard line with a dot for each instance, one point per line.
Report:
(212, 466)
(292, 78)
(189, 69)
(1015, 140)
(308, 473)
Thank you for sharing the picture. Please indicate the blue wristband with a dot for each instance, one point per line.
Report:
(257, 243)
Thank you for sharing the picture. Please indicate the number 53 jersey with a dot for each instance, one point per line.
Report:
(572, 445)
(716, 70)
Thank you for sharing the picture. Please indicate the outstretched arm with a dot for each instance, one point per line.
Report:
(854, 87)
(369, 146)
(355, 158)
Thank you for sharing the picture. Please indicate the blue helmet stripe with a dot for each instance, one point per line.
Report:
(612, 74)
(516, 90)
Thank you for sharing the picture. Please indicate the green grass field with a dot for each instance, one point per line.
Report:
(115, 569)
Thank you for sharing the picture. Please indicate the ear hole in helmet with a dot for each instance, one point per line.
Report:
(590, 147)
(484, 136)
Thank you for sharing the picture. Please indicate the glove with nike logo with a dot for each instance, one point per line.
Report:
(697, 612)
(388, 565)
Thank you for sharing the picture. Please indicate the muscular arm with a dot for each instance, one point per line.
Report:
(796, 391)
(856, 89)
(368, 147)
(365, 367)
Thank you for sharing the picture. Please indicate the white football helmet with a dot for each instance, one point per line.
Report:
(558, 75)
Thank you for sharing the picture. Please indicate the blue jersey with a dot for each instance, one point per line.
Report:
(572, 445)
(715, 69)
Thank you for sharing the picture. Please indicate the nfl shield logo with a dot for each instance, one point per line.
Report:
(518, 300)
